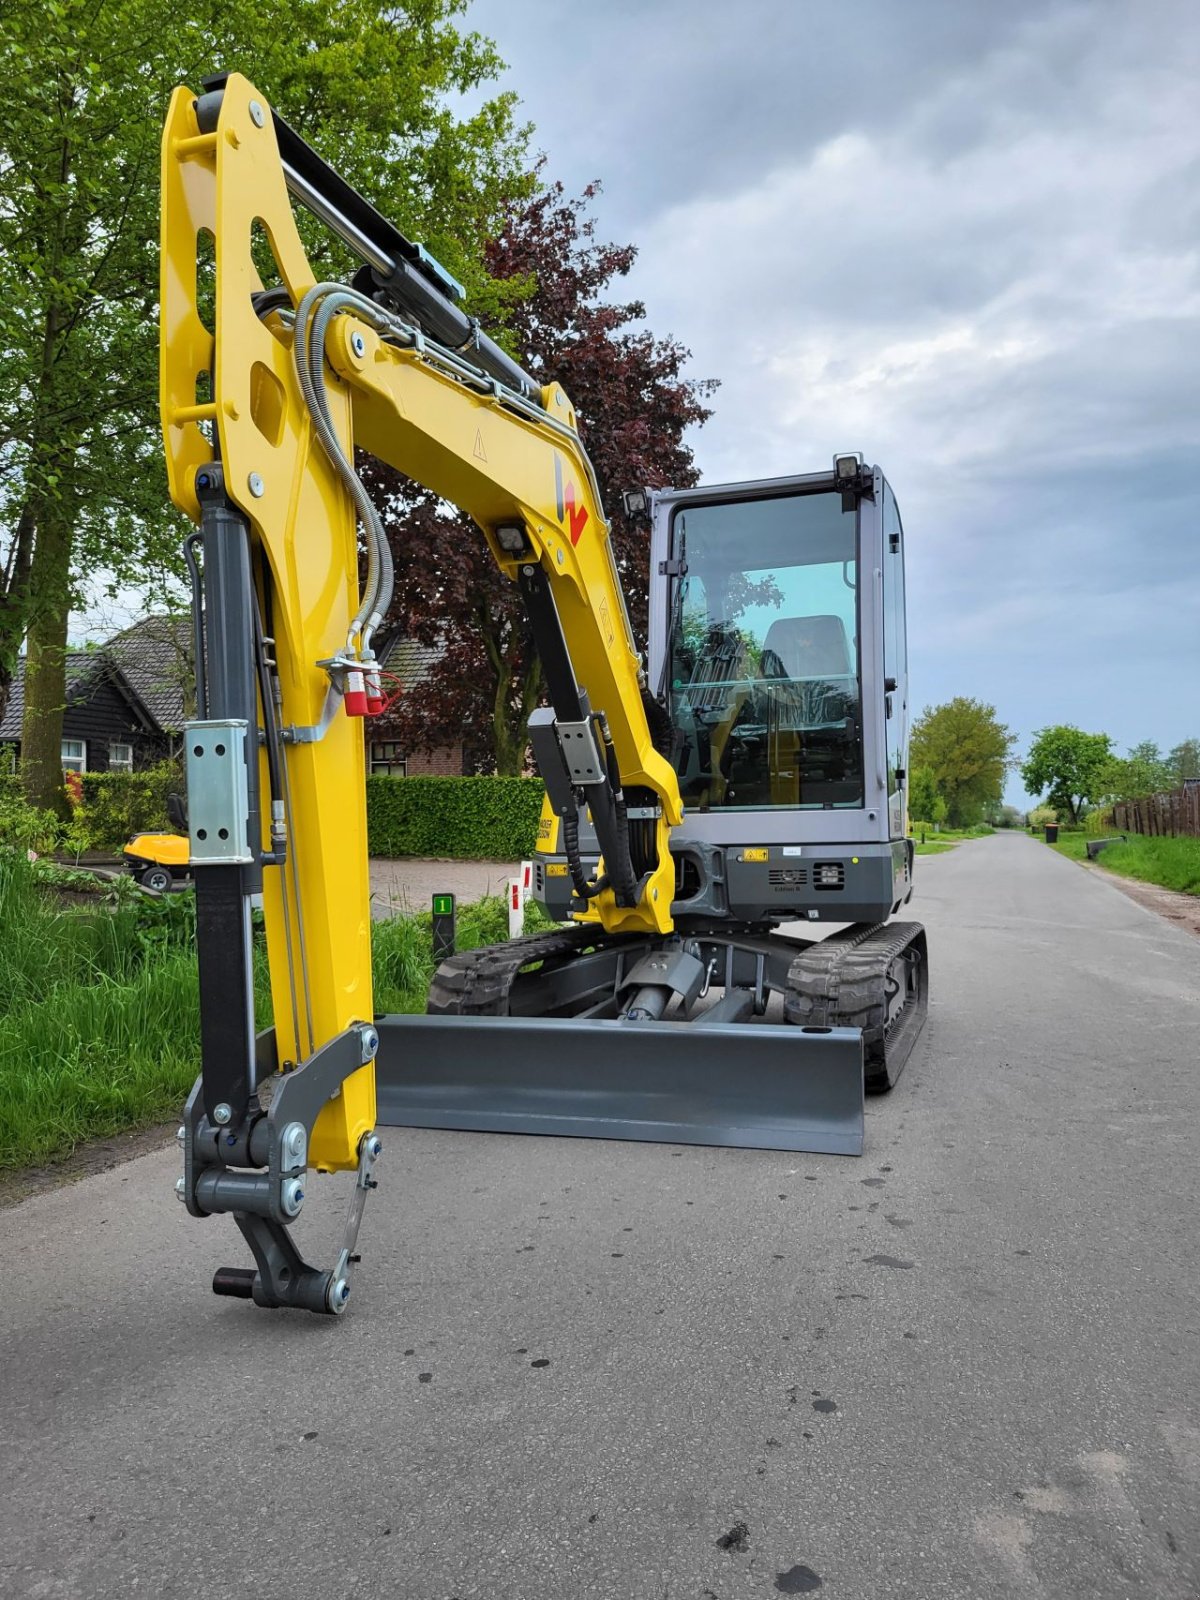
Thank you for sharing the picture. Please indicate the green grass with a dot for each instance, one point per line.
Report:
(99, 1007)
(936, 844)
(1170, 863)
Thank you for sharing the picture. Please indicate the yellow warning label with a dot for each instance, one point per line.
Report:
(547, 835)
(556, 869)
(479, 452)
(755, 854)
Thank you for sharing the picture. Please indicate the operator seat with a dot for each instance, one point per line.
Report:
(811, 647)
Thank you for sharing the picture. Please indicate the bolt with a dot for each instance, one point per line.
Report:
(257, 487)
(222, 1115)
(257, 115)
(181, 1135)
(560, 558)
(338, 1294)
(528, 571)
(295, 1141)
(358, 344)
(374, 1148)
(291, 1196)
(181, 1189)
(202, 480)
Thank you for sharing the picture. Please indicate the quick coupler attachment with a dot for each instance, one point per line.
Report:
(256, 1170)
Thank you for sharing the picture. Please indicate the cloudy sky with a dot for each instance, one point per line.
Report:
(961, 237)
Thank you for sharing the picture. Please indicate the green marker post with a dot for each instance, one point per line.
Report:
(443, 926)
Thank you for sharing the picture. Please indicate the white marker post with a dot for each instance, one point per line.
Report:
(516, 910)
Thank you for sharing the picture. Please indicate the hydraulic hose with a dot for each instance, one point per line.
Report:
(579, 878)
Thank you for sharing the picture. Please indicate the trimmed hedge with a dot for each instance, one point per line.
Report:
(466, 819)
(469, 819)
(119, 804)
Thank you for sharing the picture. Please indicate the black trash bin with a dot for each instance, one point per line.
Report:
(1052, 833)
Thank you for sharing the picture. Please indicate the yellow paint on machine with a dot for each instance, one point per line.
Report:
(303, 529)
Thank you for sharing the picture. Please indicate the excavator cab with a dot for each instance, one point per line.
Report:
(778, 653)
(777, 660)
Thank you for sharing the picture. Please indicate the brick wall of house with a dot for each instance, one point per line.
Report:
(443, 763)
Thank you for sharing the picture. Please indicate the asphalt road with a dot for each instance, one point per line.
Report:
(966, 1365)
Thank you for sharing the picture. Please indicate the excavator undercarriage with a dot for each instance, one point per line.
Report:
(583, 1050)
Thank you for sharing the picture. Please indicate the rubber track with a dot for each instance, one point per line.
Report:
(477, 983)
(842, 982)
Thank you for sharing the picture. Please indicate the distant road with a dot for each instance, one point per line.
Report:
(965, 1366)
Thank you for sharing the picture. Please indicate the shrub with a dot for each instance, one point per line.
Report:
(116, 805)
(471, 819)
(22, 826)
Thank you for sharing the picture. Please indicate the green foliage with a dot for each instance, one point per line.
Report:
(402, 948)
(470, 819)
(922, 794)
(373, 85)
(1041, 815)
(1170, 863)
(116, 805)
(99, 1008)
(23, 826)
(1141, 772)
(1068, 766)
(968, 751)
(1184, 761)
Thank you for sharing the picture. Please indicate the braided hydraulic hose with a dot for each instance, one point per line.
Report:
(319, 306)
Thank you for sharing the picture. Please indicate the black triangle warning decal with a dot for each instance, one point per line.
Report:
(479, 452)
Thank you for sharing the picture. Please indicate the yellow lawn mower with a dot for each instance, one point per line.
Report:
(161, 861)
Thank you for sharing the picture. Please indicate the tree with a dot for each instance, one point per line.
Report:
(633, 408)
(82, 487)
(1141, 772)
(968, 751)
(922, 794)
(1184, 761)
(1068, 766)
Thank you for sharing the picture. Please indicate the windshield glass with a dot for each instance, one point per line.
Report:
(763, 663)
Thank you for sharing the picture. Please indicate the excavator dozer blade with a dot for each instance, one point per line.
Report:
(748, 1086)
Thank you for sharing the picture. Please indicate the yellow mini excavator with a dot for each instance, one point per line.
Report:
(677, 1001)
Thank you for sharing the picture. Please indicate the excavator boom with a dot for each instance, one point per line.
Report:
(271, 380)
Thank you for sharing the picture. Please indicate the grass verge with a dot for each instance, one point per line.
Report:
(929, 843)
(1169, 863)
(99, 1005)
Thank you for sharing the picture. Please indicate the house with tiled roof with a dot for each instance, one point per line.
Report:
(107, 727)
(410, 662)
(127, 701)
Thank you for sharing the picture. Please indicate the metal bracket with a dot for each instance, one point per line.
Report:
(218, 799)
(577, 741)
(223, 1172)
(315, 732)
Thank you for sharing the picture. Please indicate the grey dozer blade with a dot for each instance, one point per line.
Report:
(764, 1087)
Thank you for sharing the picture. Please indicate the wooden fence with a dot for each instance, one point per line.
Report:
(1162, 814)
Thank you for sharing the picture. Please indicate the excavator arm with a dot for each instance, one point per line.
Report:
(267, 391)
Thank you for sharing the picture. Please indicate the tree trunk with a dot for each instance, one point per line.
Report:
(511, 725)
(13, 599)
(45, 667)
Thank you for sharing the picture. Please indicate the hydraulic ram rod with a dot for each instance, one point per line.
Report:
(404, 271)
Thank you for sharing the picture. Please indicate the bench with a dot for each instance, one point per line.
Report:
(1094, 846)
